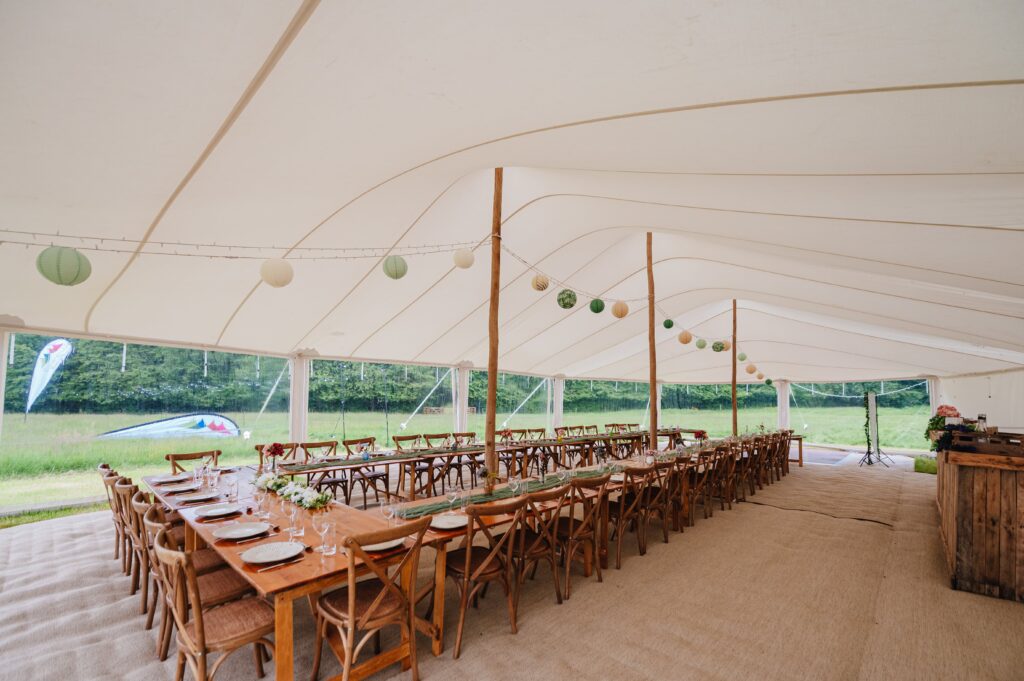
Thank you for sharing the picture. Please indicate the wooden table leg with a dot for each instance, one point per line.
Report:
(440, 568)
(283, 633)
(800, 447)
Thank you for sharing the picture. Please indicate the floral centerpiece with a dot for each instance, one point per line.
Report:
(271, 482)
(700, 435)
(940, 432)
(305, 497)
(272, 451)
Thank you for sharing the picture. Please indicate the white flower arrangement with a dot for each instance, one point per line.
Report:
(305, 497)
(271, 482)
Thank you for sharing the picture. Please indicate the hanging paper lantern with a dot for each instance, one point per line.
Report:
(63, 265)
(539, 282)
(759, 375)
(742, 357)
(767, 381)
(276, 272)
(566, 298)
(726, 345)
(685, 337)
(463, 258)
(701, 343)
(751, 369)
(718, 346)
(668, 323)
(620, 309)
(395, 266)
(596, 305)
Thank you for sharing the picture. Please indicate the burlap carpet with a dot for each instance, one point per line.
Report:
(834, 573)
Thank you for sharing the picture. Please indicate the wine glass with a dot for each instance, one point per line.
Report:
(453, 495)
(388, 510)
(321, 525)
(514, 484)
(262, 512)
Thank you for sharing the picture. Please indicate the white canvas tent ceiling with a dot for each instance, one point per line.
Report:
(853, 173)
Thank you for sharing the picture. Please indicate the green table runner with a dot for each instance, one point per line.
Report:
(357, 460)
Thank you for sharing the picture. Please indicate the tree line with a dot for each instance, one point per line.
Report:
(159, 379)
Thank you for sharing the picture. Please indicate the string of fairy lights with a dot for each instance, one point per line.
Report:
(63, 261)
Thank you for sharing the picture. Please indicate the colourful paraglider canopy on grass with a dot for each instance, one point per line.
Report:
(200, 424)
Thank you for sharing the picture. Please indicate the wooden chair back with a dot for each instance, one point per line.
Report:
(500, 546)
(178, 576)
(109, 481)
(535, 433)
(519, 434)
(405, 442)
(124, 490)
(436, 439)
(291, 450)
(543, 509)
(463, 438)
(314, 450)
(391, 584)
(590, 430)
(633, 427)
(208, 458)
(561, 431)
(359, 445)
(586, 499)
(635, 483)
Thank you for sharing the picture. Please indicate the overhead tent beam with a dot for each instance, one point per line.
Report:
(298, 400)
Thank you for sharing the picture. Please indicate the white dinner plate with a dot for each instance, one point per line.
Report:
(229, 469)
(272, 552)
(197, 496)
(168, 479)
(448, 521)
(240, 530)
(177, 489)
(384, 545)
(217, 510)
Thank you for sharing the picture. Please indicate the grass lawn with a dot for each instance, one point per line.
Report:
(52, 458)
(925, 464)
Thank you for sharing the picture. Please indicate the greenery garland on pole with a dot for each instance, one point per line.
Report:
(867, 423)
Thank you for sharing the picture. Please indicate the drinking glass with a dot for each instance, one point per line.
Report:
(212, 478)
(453, 496)
(388, 510)
(231, 488)
(513, 484)
(262, 511)
(321, 525)
(296, 528)
(329, 544)
(199, 474)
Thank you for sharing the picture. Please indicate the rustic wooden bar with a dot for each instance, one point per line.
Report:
(981, 506)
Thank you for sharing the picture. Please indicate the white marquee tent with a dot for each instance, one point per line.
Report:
(852, 173)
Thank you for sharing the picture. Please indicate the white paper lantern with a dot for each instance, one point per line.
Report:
(539, 282)
(463, 258)
(685, 337)
(395, 266)
(63, 265)
(620, 309)
(751, 369)
(276, 272)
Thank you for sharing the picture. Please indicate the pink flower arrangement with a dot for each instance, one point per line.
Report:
(273, 450)
(947, 411)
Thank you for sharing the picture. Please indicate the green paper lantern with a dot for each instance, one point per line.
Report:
(668, 323)
(742, 357)
(566, 298)
(701, 343)
(767, 381)
(63, 265)
(596, 305)
(718, 346)
(395, 266)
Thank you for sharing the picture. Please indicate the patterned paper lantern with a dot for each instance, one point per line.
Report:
(276, 272)
(685, 337)
(767, 381)
(742, 357)
(726, 345)
(751, 369)
(463, 258)
(566, 298)
(668, 323)
(620, 309)
(395, 266)
(701, 343)
(760, 375)
(539, 282)
(596, 305)
(718, 346)
(63, 265)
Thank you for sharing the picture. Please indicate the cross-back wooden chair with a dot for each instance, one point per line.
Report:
(660, 492)
(577, 530)
(109, 481)
(203, 629)
(208, 458)
(680, 493)
(474, 567)
(124, 490)
(590, 430)
(467, 461)
(332, 481)
(140, 505)
(562, 431)
(364, 608)
(615, 428)
(627, 511)
(437, 439)
(719, 480)
(369, 477)
(407, 442)
(540, 535)
(518, 434)
(535, 433)
(576, 430)
(291, 451)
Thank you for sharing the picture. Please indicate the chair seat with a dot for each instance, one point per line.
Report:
(332, 481)
(221, 586)
(368, 475)
(334, 605)
(206, 560)
(178, 535)
(456, 563)
(233, 624)
(424, 467)
(467, 460)
(562, 529)
(534, 545)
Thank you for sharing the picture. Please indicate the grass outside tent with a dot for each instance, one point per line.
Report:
(52, 458)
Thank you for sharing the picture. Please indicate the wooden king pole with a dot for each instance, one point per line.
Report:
(490, 453)
(653, 359)
(735, 424)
